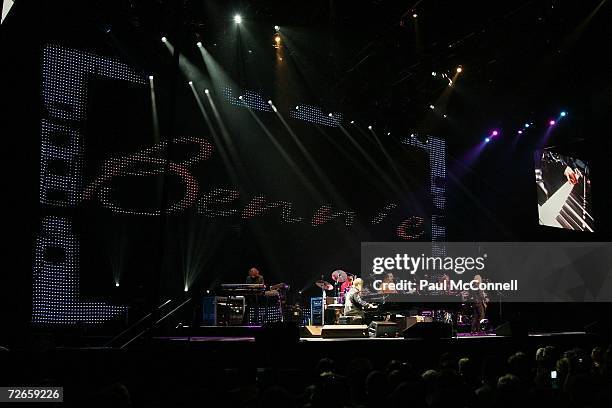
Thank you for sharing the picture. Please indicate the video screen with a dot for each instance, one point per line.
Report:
(564, 191)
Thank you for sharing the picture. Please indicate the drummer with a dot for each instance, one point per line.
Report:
(346, 285)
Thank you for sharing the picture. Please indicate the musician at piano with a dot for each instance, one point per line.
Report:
(254, 277)
(479, 301)
(354, 305)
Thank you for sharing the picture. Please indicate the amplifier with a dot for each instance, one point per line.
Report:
(406, 322)
(383, 329)
(340, 331)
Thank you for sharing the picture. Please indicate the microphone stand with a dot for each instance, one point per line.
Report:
(323, 304)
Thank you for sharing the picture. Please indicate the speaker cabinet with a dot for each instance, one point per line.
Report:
(408, 321)
(511, 329)
(343, 331)
(311, 331)
(383, 329)
(429, 331)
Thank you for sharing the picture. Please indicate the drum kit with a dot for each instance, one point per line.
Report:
(338, 277)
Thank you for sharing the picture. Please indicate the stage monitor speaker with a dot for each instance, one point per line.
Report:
(406, 322)
(429, 330)
(511, 329)
(383, 329)
(311, 331)
(342, 331)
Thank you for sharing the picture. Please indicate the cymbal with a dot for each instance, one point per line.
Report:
(339, 276)
(324, 285)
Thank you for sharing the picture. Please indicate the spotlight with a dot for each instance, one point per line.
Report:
(414, 15)
(164, 39)
(552, 123)
(270, 102)
(370, 127)
(240, 97)
(206, 91)
(150, 77)
(276, 28)
(388, 133)
(250, 51)
(494, 133)
(297, 108)
(526, 125)
(434, 73)
(563, 114)
(186, 288)
(190, 82)
(487, 140)
(352, 122)
(520, 132)
(117, 284)
(459, 69)
(330, 115)
(431, 107)
(199, 44)
(237, 19)
(444, 116)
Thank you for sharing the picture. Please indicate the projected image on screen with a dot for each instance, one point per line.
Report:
(564, 191)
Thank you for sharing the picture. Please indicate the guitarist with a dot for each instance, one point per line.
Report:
(479, 301)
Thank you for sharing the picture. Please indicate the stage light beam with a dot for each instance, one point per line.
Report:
(459, 69)
(563, 114)
(199, 44)
(552, 123)
(238, 19)
(164, 39)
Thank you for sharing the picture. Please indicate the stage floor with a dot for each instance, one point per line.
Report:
(460, 337)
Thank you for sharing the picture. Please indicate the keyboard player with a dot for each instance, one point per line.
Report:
(254, 277)
(354, 305)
